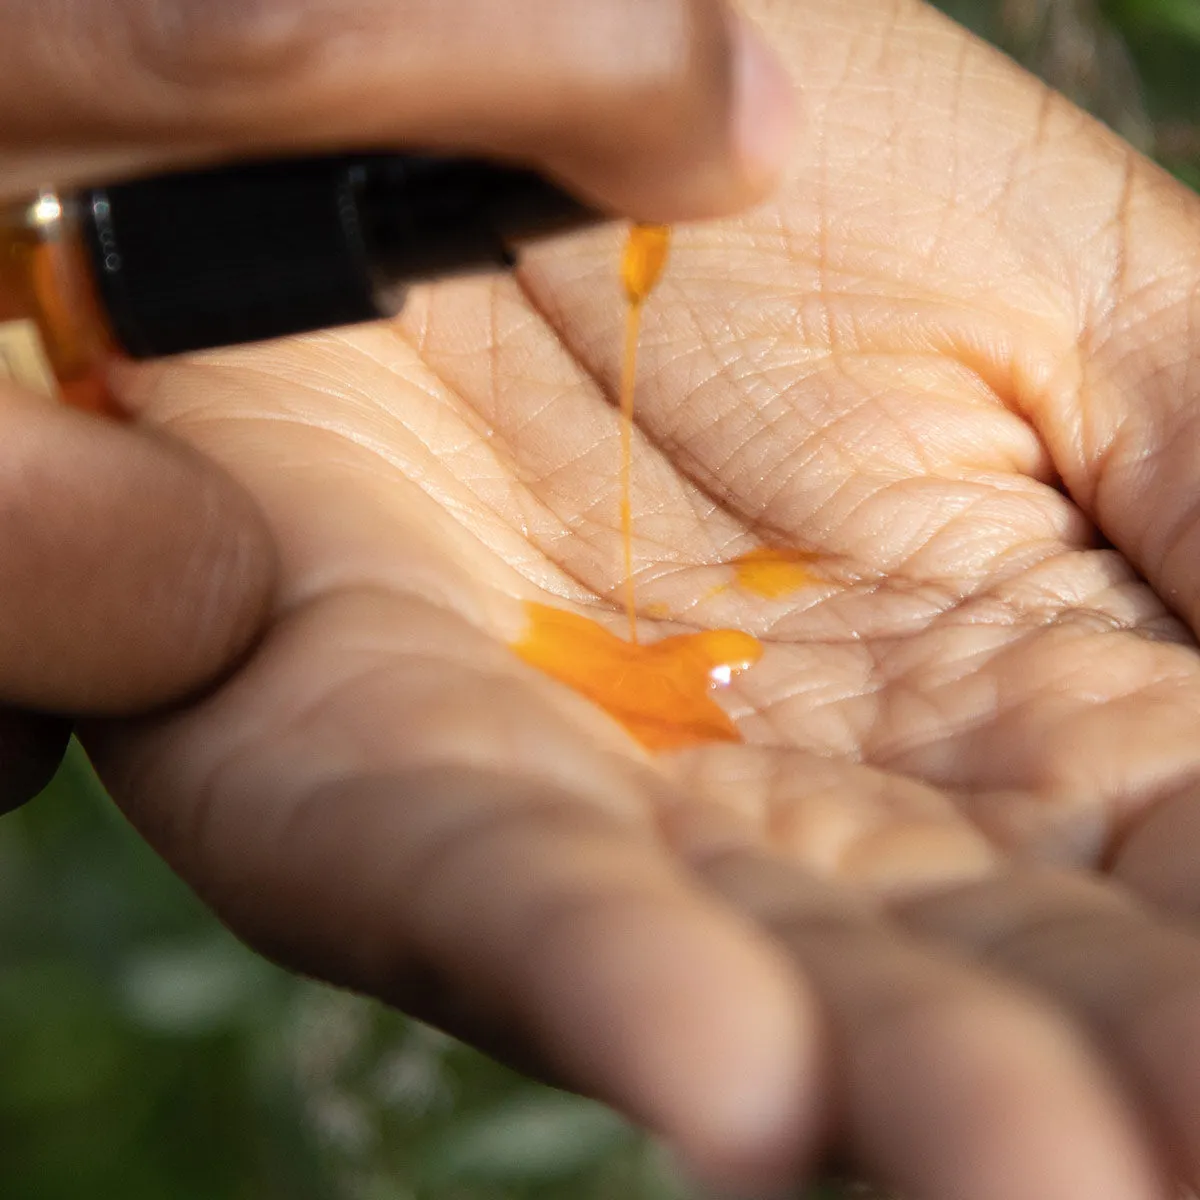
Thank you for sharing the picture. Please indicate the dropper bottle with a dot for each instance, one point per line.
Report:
(199, 259)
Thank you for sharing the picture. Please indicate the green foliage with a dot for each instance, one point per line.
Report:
(1134, 63)
(1169, 18)
(145, 1054)
(119, 1076)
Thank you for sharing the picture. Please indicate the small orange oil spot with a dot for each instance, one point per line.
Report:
(661, 692)
(773, 572)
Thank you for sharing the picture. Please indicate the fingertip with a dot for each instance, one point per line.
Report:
(1027, 1104)
(753, 1125)
(764, 110)
(717, 142)
(700, 1031)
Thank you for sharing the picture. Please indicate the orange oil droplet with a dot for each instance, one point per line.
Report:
(642, 265)
(662, 692)
(773, 572)
(644, 260)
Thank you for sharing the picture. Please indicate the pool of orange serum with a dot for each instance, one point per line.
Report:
(663, 691)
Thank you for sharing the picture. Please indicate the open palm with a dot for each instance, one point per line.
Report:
(934, 909)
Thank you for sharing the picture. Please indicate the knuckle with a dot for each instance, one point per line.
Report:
(220, 46)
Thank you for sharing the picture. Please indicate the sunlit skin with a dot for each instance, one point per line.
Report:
(940, 905)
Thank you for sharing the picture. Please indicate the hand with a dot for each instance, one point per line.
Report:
(133, 573)
(659, 108)
(939, 911)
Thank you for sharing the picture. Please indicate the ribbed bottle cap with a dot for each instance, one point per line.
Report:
(242, 254)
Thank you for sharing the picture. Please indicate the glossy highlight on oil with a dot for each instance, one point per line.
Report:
(54, 340)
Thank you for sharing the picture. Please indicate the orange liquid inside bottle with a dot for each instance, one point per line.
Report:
(662, 692)
(53, 337)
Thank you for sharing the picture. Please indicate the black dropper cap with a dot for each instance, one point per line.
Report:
(240, 254)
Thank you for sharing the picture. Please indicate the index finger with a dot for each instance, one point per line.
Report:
(662, 109)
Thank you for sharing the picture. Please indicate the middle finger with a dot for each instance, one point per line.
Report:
(1132, 981)
(950, 1084)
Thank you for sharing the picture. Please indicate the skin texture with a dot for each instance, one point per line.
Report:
(133, 572)
(938, 914)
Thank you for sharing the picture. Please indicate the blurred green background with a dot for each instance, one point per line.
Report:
(144, 1053)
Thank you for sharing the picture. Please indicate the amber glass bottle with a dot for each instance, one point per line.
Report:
(54, 338)
(240, 254)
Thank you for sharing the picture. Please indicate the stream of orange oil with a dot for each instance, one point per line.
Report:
(633, 326)
(642, 266)
(661, 692)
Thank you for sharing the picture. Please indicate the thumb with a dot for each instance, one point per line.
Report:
(131, 571)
